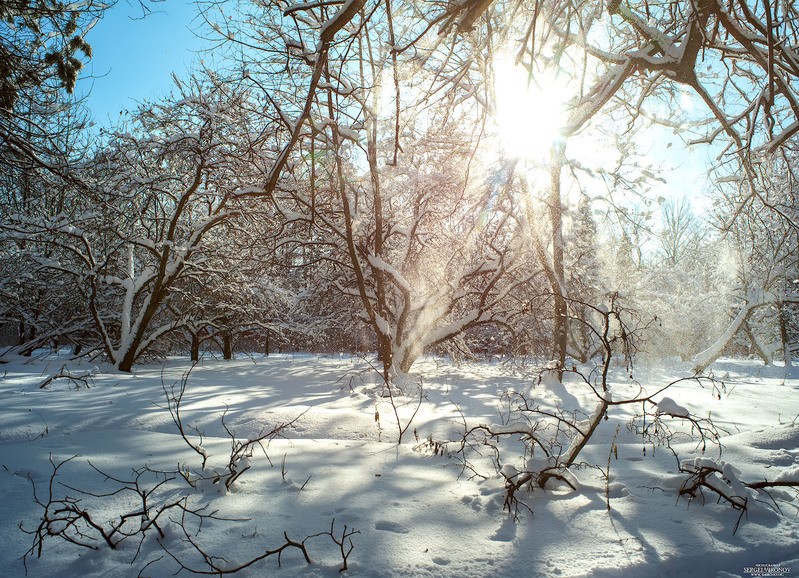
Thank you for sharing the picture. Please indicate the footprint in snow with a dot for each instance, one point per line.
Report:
(395, 527)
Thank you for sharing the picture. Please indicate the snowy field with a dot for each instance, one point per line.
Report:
(416, 511)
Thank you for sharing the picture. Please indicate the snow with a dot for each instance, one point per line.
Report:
(417, 513)
(788, 475)
(337, 21)
(670, 407)
(349, 133)
(399, 279)
(510, 428)
(246, 191)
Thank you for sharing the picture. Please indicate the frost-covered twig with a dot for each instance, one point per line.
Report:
(547, 444)
(723, 480)
(220, 566)
(173, 404)
(71, 519)
(154, 507)
(241, 451)
(77, 378)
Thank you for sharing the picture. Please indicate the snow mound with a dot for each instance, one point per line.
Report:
(668, 406)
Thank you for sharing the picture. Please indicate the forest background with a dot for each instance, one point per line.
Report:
(475, 178)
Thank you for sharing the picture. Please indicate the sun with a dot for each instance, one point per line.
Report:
(529, 109)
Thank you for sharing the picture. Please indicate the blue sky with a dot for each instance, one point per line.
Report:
(134, 58)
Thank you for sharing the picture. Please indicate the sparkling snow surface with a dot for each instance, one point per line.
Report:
(418, 514)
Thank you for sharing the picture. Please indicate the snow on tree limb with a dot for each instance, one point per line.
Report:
(755, 300)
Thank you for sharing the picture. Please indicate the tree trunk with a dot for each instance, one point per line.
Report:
(560, 330)
(266, 344)
(195, 346)
(407, 361)
(227, 345)
(786, 342)
(703, 359)
(385, 353)
(137, 332)
(126, 364)
(761, 353)
(27, 333)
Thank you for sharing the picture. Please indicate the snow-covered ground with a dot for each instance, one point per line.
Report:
(416, 511)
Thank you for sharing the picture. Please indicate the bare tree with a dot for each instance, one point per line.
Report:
(764, 239)
(681, 231)
(380, 181)
(140, 228)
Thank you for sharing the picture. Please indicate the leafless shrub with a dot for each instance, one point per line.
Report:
(547, 443)
(394, 388)
(220, 566)
(722, 480)
(662, 424)
(241, 450)
(144, 503)
(430, 446)
(77, 379)
(69, 518)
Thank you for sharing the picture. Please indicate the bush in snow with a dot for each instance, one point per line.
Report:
(155, 503)
(538, 444)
